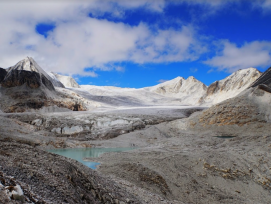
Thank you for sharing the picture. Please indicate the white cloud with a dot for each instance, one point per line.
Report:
(155, 5)
(193, 70)
(169, 46)
(80, 42)
(162, 80)
(120, 69)
(232, 57)
(267, 3)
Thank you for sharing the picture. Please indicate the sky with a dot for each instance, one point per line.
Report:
(137, 43)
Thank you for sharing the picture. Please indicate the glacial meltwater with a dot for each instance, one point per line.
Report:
(80, 153)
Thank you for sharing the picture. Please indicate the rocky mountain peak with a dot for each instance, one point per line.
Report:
(27, 64)
(188, 90)
(191, 78)
(231, 85)
(28, 72)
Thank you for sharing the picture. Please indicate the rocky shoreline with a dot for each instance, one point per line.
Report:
(49, 178)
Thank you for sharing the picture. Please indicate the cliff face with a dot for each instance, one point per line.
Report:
(3, 73)
(31, 79)
(264, 79)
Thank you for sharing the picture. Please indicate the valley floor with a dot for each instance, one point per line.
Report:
(190, 167)
(172, 164)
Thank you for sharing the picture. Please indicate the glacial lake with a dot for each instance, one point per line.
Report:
(80, 153)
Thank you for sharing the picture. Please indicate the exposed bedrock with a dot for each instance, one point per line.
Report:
(31, 79)
(3, 73)
(265, 79)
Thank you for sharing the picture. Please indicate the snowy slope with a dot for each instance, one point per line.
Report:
(230, 86)
(55, 80)
(178, 91)
(67, 81)
(189, 90)
(115, 96)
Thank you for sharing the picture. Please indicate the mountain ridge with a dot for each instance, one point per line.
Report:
(178, 91)
(230, 86)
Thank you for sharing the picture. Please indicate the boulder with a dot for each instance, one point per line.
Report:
(72, 130)
(37, 122)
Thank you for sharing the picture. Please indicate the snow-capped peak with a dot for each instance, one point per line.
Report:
(66, 80)
(28, 64)
(231, 85)
(188, 90)
(28, 71)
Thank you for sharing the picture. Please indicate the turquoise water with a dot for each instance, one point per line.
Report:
(80, 153)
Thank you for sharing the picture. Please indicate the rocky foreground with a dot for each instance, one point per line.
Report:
(30, 175)
(195, 167)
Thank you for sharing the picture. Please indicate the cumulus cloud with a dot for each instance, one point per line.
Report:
(80, 44)
(232, 57)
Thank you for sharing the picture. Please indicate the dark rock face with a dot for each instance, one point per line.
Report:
(264, 79)
(26, 86)
(3, 73)
(20, 77)
(213, 88)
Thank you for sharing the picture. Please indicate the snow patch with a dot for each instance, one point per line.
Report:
(67, 81)
(72, 130)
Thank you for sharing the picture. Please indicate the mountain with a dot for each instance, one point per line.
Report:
(189, 90)
(244, 114)
(193, 92)
(27, 87)
(28, 72)
(230, 86)
(66, 80)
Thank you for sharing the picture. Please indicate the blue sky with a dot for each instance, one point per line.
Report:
(138, 43)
